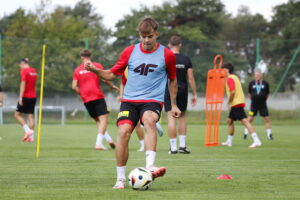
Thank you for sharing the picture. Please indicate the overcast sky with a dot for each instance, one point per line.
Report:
(113, 10)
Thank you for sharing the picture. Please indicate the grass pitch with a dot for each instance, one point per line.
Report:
(70, 168)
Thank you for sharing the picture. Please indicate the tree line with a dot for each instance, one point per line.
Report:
(205, 26)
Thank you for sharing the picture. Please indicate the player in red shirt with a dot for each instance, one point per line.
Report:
(150, 66)
(27, 99)
(86, 84)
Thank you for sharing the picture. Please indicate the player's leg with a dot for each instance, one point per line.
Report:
(30, 118)
(182, 100)
(256, 141)
(265, 114)
(252, 114)
(124, 133)
(140, 134)
(128, 117)
(150, 115)
(172, 133)
(182, 130)
(18, 115)
(101, 122)
(230, 124)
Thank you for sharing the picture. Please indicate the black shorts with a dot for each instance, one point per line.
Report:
(27, 107)
(133, 112)
(237, 113)
(263, 110)
(96, 108)
(181, 100)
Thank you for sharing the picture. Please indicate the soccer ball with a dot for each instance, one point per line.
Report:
(140, 178)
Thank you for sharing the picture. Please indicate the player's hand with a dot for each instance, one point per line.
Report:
(175, 111)
(1, 104)
(90, 67)
(20, 101)
(194, 100)
(119, 98)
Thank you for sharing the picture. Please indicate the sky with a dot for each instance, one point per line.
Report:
(114, 10)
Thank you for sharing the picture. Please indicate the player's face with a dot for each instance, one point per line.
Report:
(258, 76)
(149, 40)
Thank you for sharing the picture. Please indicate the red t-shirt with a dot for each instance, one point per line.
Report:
(89, 86)
(29, 76)
(121, 64)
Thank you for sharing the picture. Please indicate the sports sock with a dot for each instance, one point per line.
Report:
(182, 141)
(255, 138)
(121, 172)
(32, 135)
(26, 128)
(150, 159)
(173, 144)
(230, 138)
(246, 131)
(142, 142)
(107, 137)
(99, 139)
(269, 131)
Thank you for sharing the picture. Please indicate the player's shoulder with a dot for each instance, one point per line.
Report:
(252, 82)
(99, 65)
(168, 52)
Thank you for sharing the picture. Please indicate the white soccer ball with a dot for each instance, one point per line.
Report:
(140, 178)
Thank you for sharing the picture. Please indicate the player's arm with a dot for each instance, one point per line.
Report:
(192, 83)
(101, 73)
(117, 69)
(75, 86)
(22, 89)
(173, 87)
(121, 92)
(231, 86)
(249, 90)
(111, 85)
(267, 90)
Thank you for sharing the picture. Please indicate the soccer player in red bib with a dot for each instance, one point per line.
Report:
(150, 65)
(27, 99)
(86, 84)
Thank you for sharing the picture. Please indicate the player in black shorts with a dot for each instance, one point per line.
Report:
(184, 74)
(259, 91)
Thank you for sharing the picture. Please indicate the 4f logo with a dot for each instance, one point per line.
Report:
(143, 69)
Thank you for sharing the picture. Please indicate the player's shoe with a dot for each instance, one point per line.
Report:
(270, 137)
(227, 143)
(28, 137)
(112, 144)
(245, 136)
(184, 150)
(100, 148)
(157, 171)
(141, 149)
(255, 144)
(172, 152)
(160, 130)
(120, 184)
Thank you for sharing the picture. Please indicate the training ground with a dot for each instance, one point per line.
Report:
(70, 168)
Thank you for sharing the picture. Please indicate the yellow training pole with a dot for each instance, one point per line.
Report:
(41, 103)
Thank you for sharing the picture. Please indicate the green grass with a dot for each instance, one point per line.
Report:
(69, 167)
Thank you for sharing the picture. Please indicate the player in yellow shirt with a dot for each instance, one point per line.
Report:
(236, 102)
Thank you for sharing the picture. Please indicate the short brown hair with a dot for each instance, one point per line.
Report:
(147, 25)
(175, 40)
(24, 60)
(85, 53)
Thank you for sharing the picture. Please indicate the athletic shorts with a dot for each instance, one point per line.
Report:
(131, 112)
(237, 113)
(181, 100)
(27, 107)
(263, 110)
(96, 108)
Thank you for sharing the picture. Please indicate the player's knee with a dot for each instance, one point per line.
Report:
(17, 114)
(229, 121)
(149, 121)
(124, 134)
